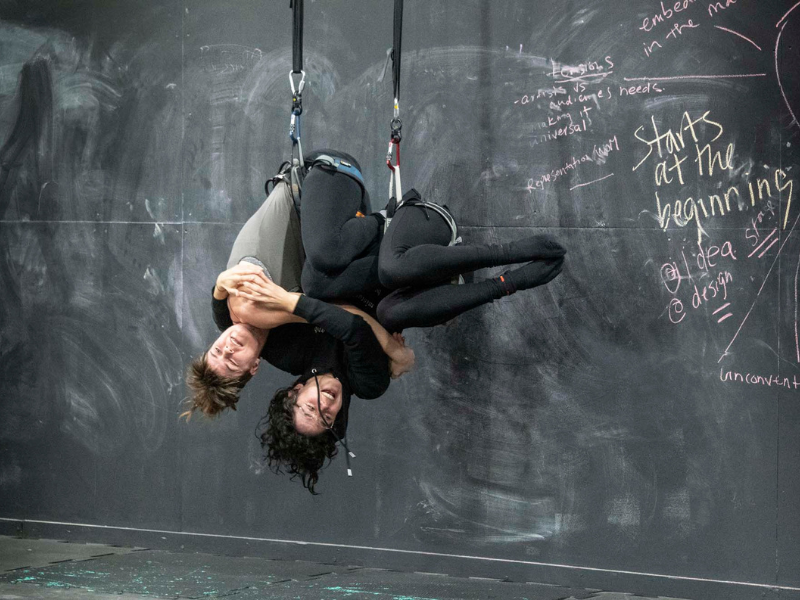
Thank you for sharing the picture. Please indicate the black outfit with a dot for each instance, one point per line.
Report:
(333, 341)
(342, 251)
(349, 258)
(417, 261)
(341, 246)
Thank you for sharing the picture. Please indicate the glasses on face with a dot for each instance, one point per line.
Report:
(322, 416)
(329, 426)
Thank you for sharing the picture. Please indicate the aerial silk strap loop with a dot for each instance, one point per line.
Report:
(395, 186)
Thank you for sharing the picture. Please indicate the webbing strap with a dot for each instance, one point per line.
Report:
(296, 88)
(297, 35)
(396, 44)
(340, 165)
(395, 185)
(445, 214)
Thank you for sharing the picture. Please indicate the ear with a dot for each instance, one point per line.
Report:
(254, 368)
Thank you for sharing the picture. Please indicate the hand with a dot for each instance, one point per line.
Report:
(228, 281)
(401, 358)
(269, 295)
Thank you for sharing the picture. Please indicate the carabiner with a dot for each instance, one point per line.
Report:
(297, 92)
(294, 128)
(299, 89)
(392, 145)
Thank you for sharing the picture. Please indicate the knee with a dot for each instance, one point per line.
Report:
(312, 283)
(390, 271)
(329, 261)
(388, 316)
(325, 253)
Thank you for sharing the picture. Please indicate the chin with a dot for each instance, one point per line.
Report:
(247, 330)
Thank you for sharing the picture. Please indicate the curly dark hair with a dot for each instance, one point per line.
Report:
(285, 449)
(211, 393)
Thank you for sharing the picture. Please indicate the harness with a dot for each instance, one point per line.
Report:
(412, 198)
(340, 165)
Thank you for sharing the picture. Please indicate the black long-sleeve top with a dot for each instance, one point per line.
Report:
(333, 341)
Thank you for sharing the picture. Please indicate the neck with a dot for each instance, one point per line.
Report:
(261, 336)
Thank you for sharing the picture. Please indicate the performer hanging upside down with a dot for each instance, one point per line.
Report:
(268, 248)
(405, 279)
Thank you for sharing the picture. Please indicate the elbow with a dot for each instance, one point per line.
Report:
(392, 316)
(315, 283)
(330, 262)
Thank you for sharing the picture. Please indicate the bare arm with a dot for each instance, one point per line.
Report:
(401, 356)
(253, 313)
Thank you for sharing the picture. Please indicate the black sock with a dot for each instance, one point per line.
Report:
(530, 275)
(504, 285)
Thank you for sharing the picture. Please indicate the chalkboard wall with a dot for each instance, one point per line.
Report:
(641, 413)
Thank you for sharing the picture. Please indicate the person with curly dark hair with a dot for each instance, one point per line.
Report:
(348, 256)
(285, 447)
(416, 261)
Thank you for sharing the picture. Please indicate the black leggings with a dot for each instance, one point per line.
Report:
(347, 255)
(417, 262)
(341, 248)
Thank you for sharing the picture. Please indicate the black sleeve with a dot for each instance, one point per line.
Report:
(288, 347)
(222, 317)
(367, 364)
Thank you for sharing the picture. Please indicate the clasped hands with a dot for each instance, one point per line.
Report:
(249, 282)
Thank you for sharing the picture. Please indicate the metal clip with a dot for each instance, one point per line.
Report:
(297, 92)
(299, 89)
(294, 127)
(389, 154)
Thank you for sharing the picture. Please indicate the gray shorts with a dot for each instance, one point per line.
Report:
(272, 235)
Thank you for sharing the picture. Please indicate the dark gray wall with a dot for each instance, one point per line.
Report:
(596, 422)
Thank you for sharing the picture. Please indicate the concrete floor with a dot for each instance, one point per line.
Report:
(50, 569)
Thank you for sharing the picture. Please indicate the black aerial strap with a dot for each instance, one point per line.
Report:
(297, 163)
(396, 55)
(297, 71)
(297, 35)
(395, 186)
